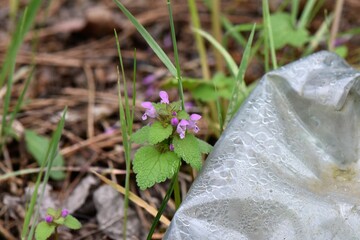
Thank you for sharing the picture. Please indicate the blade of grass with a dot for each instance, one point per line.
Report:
(305, 16)
(240, 86)
(149, 39)
(294, 11)
(216, 31)
(199, 40)
(229, 60)
(319, 35)
(22, 28)
(133, 93)
(21, 97)
(126, 144)
(134, 198)
(126, 96)
(163, 204)
(6, 105)
(50, 156)
(267, 25)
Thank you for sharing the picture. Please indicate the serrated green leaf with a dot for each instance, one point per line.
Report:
(141, 136)
(72, 222)
(175, 106)
(204, 147)
(37, 146)
(152, 166)
(52, 212)
(44, 230)
(158, 132)
(182, 115)
(188, 150)
(284, 33)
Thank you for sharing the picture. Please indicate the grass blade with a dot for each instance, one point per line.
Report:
(50, 155)
(305, 16)
(22, 28)
(229, 60)
(240, 87)
(267, 25)
(149, 39)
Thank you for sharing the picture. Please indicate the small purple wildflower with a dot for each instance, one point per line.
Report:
(48, 219)
(174, 121)
(164, 97)
(192, 122)
(64, 212)
(181, 128)
(171, 147)
(174, 113)
(150, 110)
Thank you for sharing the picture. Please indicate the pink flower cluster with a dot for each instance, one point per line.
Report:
(181, 124)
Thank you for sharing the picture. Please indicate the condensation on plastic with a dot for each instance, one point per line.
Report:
(287, 165)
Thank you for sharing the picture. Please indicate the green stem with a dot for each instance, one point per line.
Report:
(56, 235)
(173, 182)
(180, 89)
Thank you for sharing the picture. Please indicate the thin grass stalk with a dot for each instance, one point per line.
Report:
(195, 21)
(216, 30)
(126, 96)
(267, 25)
(173, 182)
(53, 146)
(6, 105)
(294, 11)
(305, 16)
(21, 97)
(126, 144)
(22, 28)
(180, 90)
(336, 23)
(133, 92)
(29, 212)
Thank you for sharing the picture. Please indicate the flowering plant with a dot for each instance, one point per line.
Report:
(168, 138)
(53, 219)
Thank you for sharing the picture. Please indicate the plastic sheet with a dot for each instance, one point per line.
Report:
(287, 165)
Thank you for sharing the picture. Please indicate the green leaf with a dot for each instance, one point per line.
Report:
(204, 147)
(152, 166)
(284, 33)
(72, 222)
(182, 115)
(188, 150)
(37, 146)
(141, 136)
(44, 230)
(158, 132)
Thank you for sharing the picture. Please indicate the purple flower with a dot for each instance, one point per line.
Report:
(171, 147)
(174, 113)
(48, 219)
(164, 97)
(192, 122)
(150, 110)
(174, 121)
(181, 128)
(64, 212)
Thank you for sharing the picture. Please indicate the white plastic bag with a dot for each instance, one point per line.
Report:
(287, 165)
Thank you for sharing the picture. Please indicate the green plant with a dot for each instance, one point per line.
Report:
(54, 219)
(168, 139)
